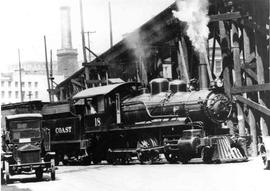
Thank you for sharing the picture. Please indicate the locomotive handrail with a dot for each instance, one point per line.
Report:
(148, 112)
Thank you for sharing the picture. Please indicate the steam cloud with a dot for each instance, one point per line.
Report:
(195, 14)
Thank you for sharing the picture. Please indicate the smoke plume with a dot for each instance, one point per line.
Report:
(195, 14)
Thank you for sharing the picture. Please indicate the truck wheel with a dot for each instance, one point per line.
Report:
(53, 174)
(2, 176)
(266, 163)
(171, 158)
(39, 173)
(56, 161)
(6, 174)
(87, 160)
(6, 179)
(184, 160)
(207, 155)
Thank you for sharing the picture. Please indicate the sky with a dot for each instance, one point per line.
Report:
(25, 22)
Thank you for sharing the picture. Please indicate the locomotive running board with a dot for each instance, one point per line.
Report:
(223, 151)
(150, 149)
(135, 150)
(179, 122)
(123, 150)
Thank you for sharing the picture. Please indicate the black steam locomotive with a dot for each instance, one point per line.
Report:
(120, 121)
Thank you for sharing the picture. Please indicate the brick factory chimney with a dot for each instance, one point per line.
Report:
(66, 56)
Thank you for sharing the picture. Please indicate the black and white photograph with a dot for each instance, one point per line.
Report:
(135, 95)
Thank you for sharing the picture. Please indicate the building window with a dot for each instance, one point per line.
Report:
(9, 84)
(36, 84)
(2, 83)
(30, 94)
(29, 84)
(36, 94)
(16, 94)
(23, 94)
(16, 84)
(2, 94)
(9, 94)
(22, 84)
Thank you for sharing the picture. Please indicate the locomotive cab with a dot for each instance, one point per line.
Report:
(103, 104)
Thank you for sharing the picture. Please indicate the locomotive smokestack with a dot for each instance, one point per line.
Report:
(195, 14)
(65, 28)
(203, 78)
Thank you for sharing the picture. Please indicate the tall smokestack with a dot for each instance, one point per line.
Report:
(110, 23)
(203, 77)
(66, 56)
(66, 28)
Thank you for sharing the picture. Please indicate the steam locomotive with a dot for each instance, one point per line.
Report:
(121, 121)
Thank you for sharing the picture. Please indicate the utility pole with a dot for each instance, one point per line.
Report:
(86, 69)
(82, 33)
(110, 23)
(20, 74)
(51, 76)
(47, 69)
(88, 36)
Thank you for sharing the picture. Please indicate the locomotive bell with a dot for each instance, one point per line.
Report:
(159, 85)
(178, 86)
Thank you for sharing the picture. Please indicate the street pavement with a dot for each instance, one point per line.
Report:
(195, 176)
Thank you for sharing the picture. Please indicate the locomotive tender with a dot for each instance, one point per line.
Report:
(120, 121)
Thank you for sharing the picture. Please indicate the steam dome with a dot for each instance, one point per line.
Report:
(159, 85)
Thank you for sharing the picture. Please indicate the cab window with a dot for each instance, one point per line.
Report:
(90, 106)
(100, 104)
(24, 129)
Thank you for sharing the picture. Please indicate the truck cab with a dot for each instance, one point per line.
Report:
(26, 147)
(264, 149)
(192, 144)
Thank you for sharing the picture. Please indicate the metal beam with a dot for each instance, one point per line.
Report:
(96, 81)
(254, 26)
(252, 88)
(249, 65)
(251, 73)
(225, 16)
(254, 105)
(77, 83)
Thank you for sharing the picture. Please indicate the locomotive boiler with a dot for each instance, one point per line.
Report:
(171, 100)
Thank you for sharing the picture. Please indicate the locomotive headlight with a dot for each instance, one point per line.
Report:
(219, 107)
